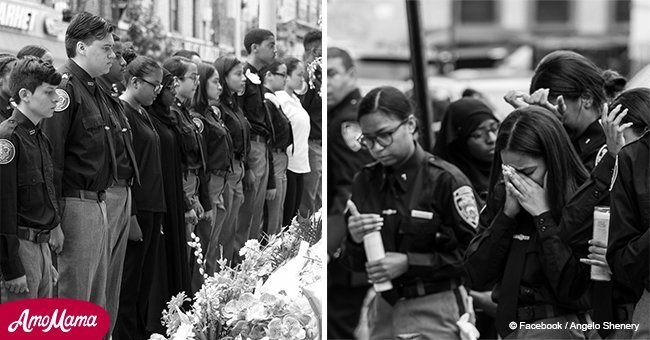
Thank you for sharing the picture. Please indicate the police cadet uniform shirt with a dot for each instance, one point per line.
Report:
(591, 145)
(627, 251)
(283, 136)
(430, 214)
(27, 198)
(5, 107)
(526, 272)
(218, 145)
(252, 103)
(127, 166)
(149, 194)
(82, 143)
(239, 127)
(191, 138)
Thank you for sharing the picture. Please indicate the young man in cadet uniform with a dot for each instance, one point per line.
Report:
(28, 207)
(84, 159)
(260, 45)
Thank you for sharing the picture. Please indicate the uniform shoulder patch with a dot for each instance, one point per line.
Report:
(63, 101)
(350, 131)
(7, 151)
(466, 206)
(199, 123)
(254, 78)
(601, 153)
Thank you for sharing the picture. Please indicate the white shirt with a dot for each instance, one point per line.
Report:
(298, 153)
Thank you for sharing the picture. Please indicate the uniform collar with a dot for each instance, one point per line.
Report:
(24, 122)
(406, 172)
(80, 73)
(593, 131)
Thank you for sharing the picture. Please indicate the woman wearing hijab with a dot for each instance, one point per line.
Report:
(467, 139)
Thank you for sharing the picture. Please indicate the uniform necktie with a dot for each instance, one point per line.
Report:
(509, 291)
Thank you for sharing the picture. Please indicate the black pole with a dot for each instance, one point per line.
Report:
(419, 72)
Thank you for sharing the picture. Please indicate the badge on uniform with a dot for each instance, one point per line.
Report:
(63, 102)
(254, 78)
(601, 154)
(199, 124)
(465, 203)
(7, 151)
(350, 132)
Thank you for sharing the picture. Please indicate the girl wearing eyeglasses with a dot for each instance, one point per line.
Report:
(143, 85)
(426, 212)
(274, 78)
(466, 140)
(191, 141)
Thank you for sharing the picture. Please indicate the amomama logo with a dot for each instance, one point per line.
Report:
(52, 319)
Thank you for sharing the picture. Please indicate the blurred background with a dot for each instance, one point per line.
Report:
(159, 27)
(490, 46)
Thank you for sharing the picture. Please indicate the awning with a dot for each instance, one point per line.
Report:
(12, 42)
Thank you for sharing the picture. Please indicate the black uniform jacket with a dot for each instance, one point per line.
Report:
(548, 275)
(191, 138)
(283, 136)
(430, 214)
(590, 145)
(218, 145)
(127, 166)
(238, 126)
(627, 251)
(80, 131)
(27, 197)
(252, 103)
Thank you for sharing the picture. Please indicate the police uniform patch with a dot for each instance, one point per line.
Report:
(199, 124)
(254, 78)
(63, 102)
(350, 132)
(601, 154)
(465, 204)
(614, 175)
(7, 151)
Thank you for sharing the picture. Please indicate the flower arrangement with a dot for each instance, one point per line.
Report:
(314, 69)
(245, 302)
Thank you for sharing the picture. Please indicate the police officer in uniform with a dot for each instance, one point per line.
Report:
(84, 159)
(28, 207)
(629, 243)
(260, 45)
(426, 212)
(346, 290)
(6, 64)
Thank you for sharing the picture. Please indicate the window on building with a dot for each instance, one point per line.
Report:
(622, 11)
(477, 11)
(552, 11)
(174, 15)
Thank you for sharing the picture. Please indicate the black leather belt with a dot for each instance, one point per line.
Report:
(539, 312)
(194, 171)
(279, 150)
(221, 173)
(418, 289)
(34, 235)
(258, 138)
(99, 196)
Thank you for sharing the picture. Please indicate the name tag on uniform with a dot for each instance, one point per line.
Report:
(427, 215)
